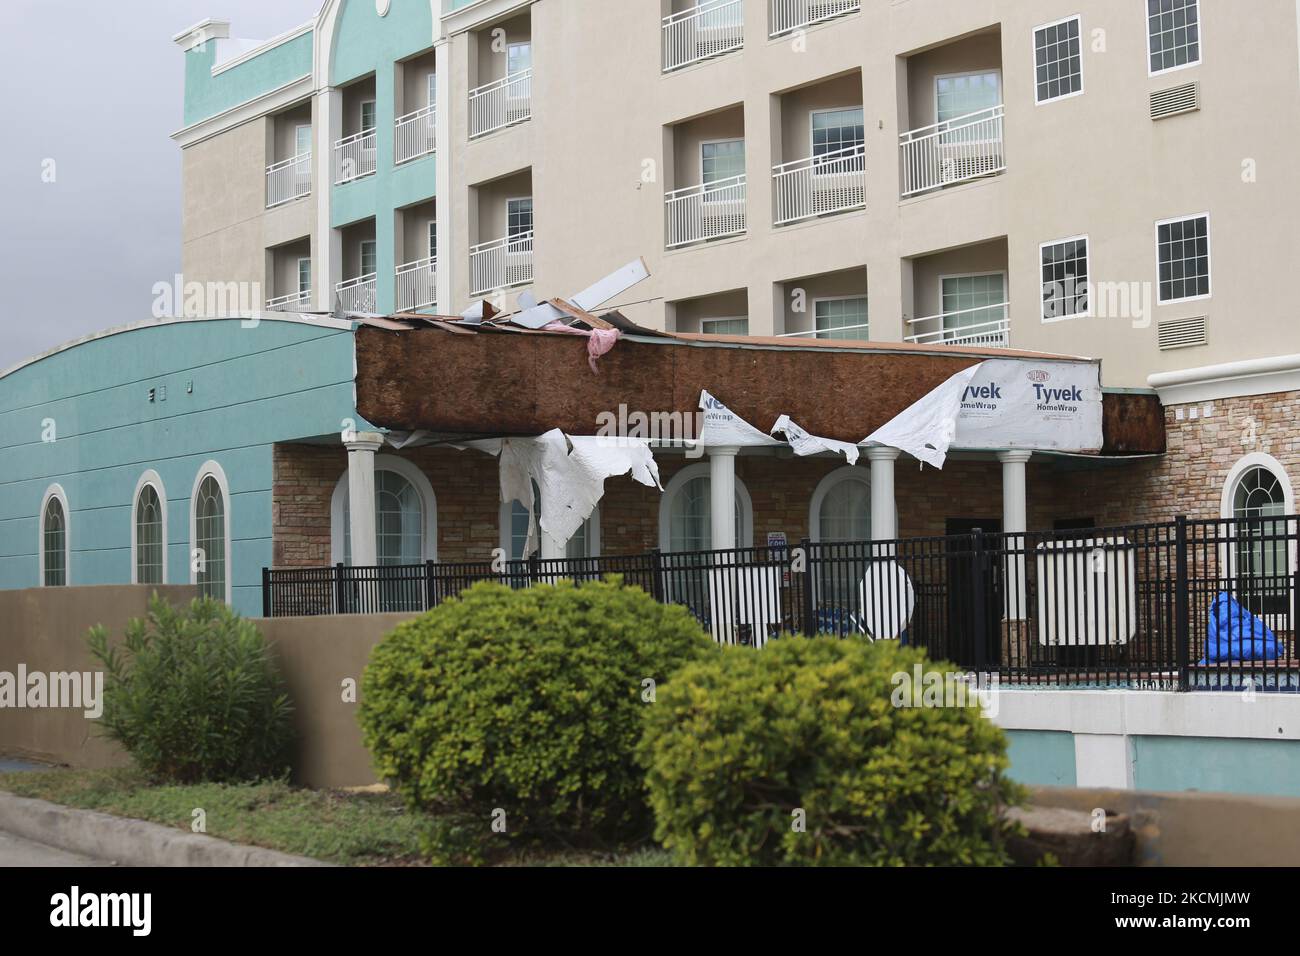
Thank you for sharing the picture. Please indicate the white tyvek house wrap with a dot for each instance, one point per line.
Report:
(1002, 404)
(570, 473)
(724, 427)
(805, 444)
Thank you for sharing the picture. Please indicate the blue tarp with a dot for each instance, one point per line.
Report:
(1237, 635)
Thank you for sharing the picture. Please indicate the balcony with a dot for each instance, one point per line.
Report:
(701, 32)
(354, 157)
(705, 212)
(820, 185)
(417, 285)
(294, 302)
(987, 327)
(955, 151)
(504, 102)
(356, 295)
(501, 264)
(288, 180)
(789, 15)
(415, 135)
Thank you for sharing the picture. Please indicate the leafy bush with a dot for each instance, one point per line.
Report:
(739, 743)
(527, 702)
(193, 695)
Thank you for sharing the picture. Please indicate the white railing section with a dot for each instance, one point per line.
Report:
(288, 180)
(821, 185)
(356, 295)
(417, 285)
(354, 157)
(954, 151)
(415, 134)
(712, 28)
(294, 302)
(828, 333)
(985, 332)
(504, 103)
(699, 213)
(501, 263)
(790, 15)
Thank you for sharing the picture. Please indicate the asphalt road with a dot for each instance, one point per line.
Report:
(15, 851)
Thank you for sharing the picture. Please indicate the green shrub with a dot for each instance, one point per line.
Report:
(528, 702)
(193, 695)
(739, 743)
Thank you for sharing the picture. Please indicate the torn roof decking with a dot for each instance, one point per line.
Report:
(428, 375)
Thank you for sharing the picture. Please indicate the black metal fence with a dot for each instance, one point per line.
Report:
(1179, 605)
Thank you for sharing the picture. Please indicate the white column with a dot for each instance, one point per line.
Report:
(550, 547)
(442, 172)
(361, 496)
(884, 513)
(1015, 521)
(722, 496)
(326, 266)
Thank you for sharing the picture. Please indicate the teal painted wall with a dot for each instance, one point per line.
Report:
(207, 95)
(252, 387)
(1217, 764)
(1041, 758)
(366, 43)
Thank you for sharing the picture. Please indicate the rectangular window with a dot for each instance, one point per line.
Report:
(367, 115)
(519, 57)
(1183, 259)
(1058, 60)
(433, 90)
(833, 133)
(1065, 278)
(433, 239)
(965, 93)
(974, 304)
(841, 318)
(1173, 34)
(369, 258)
(301, 140)
(519, 217)
(304, 276)
(721, 160)
(738, 326)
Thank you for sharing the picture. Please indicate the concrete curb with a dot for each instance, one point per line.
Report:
(129, 842)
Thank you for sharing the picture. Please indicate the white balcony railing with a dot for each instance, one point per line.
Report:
(987, 326)
(356, 295)
(700, 213)
(415, 134)
(711, 28)
(954, 151)
(501, 263)
(504, 103)
(790, 15)
(288, 180)
(821, 185)
(417, 285)
(354, 157)
(294, 302)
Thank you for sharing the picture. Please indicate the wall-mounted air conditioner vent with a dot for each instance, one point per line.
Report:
(1176, 100)
(1182, 333)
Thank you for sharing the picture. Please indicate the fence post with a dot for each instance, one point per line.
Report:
(428, 584)
(657, 575)
(809, 608)
(266, 592)
(1182, 603)
(340, 589)
(979, 602)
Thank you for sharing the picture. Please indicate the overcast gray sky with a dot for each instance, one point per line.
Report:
(96, 86)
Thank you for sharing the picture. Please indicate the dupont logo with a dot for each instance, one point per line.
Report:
(1038, 375)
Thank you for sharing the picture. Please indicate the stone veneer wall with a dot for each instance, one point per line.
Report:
(1188, 479)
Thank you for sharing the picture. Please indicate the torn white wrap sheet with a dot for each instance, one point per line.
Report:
(805, 444)
(1003, 404)
(723, 427)
(570, 475)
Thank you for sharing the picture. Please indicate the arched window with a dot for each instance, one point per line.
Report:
(406, 515)
(685, 513)
(54, 538)
(1261, 553)
(841, 507)
(149, 532)
(210, 533)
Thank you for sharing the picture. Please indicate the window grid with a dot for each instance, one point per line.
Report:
(519, 218)
(841, 318)
(399, 521)
(965, 94)
(148, 537)
(836, 130)
(725, 326)
(369, 257)
(1065, 278)
(210, 539)
(1262, 562)
(304, 276)
(367, 115)
(978, 300)
(1058, 60)
(1183, 258)
(722, 161)
(1173, 34)
(54, 528)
